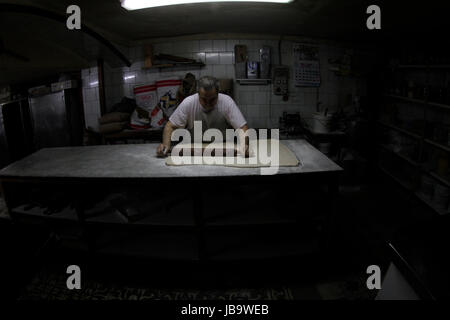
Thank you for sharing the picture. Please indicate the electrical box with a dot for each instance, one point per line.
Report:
(280, 80)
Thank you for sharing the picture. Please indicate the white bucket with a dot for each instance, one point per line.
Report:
(320, 122)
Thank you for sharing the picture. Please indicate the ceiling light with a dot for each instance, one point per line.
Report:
(140, 4)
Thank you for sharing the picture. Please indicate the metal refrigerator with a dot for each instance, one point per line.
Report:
(57, 119)
(15, 131)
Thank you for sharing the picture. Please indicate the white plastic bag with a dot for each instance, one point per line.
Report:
(158, 119)
(146, 96)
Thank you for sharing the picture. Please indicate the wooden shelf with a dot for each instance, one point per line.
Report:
(414, 135)
(412, 162)
(254, 81)
(421, 197)
(175, 65)
(418, 194)
(419, 101)
(399, 181)
(439, 105)
(439, 178)
(424, 66)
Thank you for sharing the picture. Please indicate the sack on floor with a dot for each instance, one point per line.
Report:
(112, 127)
(126, 105)
(139, 120)
(114, 117)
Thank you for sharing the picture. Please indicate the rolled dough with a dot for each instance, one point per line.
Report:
(286, 157)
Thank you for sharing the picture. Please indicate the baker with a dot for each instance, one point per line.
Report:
(214, 109)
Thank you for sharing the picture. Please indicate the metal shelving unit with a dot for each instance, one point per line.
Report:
(417, 194)
(419, 101)
(402, 183)
(424, 66)
(421, 197)
(421, 139)
(409, 133)
(412, 162)
(437, 145)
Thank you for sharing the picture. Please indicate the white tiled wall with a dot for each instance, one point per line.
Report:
(258, 104)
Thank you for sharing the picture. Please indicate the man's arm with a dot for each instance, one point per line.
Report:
(235, 118)
(164, 147)
(244, 141)
(178, 119)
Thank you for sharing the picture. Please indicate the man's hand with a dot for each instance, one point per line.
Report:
(245, 151)
(162, 150)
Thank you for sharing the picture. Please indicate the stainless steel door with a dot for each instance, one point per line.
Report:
(4, 153)
(49, 120)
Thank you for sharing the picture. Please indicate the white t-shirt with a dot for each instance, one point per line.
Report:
(224, 115)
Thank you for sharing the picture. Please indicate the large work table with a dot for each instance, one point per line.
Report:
(133, 161)
(137, 164)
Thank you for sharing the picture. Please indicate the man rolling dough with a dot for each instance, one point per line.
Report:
(214, 109)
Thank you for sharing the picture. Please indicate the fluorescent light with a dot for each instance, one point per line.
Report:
(140, 4)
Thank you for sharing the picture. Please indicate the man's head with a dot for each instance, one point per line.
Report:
(208, 92)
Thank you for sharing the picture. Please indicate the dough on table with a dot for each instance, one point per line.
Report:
(287, 157)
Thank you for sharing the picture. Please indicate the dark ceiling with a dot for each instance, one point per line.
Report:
(51, 47)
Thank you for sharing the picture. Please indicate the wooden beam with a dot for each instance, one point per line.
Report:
(148, 56)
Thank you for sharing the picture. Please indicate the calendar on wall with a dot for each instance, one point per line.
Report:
(306, 66)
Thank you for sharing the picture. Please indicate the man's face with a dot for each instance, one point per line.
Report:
(208, 99)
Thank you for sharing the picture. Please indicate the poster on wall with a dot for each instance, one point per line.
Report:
(306, 65)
